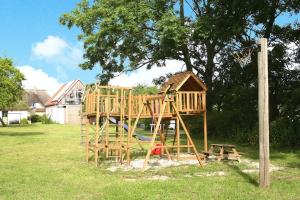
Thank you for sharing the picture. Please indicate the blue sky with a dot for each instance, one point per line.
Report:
(27, 23)
(49, 53)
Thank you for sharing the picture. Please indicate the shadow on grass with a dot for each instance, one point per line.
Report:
(246, 176)
(17, 134)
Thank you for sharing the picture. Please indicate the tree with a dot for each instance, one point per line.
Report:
(10, 85)
(123, 35)
(143, 89)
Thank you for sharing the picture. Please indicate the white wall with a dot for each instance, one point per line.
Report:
(72, 114)
(17, 115)
(56, 114)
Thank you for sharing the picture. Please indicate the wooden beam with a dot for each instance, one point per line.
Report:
(204, 131)
(154, 134)
(187, 133)
(177, 125)
(129, 126)
(263, 106)
(87, 137)
(97, 128)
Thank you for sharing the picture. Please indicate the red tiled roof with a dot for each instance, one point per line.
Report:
(50, 102)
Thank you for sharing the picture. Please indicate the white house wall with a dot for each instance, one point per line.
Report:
(56, 114)
(16, 116)
(72, 114)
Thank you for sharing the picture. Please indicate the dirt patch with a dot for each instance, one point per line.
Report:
(253, 166)
(218, 173)
(155, 163)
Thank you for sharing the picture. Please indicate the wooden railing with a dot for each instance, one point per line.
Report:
(187, 102)
(190, 101)
(155, 103)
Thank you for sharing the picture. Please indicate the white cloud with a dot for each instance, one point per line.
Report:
(144, 76)
(38, 79)
(50, 47)
(55, 50)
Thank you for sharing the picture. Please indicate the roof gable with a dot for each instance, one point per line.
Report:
(176, 81)
(62, 91)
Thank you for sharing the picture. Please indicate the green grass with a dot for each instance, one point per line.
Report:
(47, 162)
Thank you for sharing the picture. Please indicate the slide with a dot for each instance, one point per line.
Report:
(138, 136)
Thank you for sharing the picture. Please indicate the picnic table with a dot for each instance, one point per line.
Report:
(223, 151)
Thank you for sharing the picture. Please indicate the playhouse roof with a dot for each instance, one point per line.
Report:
(177, 81)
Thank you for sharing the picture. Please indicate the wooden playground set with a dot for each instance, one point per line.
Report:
(111, 114)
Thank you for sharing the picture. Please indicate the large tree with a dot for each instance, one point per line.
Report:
(123, 35)
(10, 85)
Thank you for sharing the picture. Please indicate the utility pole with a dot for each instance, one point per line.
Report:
(263, 110)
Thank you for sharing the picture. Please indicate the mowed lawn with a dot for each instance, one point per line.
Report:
(47, 162)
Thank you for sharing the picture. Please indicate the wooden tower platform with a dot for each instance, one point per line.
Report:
(111, 113)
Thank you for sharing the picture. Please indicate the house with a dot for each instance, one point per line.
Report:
(32, 102)
(36, 100)
(64, 106)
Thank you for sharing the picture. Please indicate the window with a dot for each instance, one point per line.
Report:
(4, 113)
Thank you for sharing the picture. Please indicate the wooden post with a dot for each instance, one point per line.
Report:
(122, 106)
(177, 125)
(107, 123)
(263, 106)
(96, 149)
(205, 131)
(187, 133)
(129, 127)
(161, 113)
(203, 102)
(87, 137)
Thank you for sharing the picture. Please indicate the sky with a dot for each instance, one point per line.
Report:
(48, 54)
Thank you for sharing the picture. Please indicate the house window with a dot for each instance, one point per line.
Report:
(79, 94)
(4, 114)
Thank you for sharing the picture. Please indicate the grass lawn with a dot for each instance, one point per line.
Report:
(47, 162)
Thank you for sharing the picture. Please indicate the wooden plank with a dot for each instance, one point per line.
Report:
(162, 140)
(87, 137)
(204, 131)
(187, 134)
(188, 101)
(177, 136)
(196, 102)
(263, 107)
(107, 125)
(129, 126)
(97, 128)
(154, 135)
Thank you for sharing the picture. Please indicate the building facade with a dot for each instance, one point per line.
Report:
(64, 106)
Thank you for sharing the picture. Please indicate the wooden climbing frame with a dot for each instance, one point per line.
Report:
(111, 114)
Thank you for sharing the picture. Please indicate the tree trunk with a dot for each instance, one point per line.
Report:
(208, 75)
(2, 122)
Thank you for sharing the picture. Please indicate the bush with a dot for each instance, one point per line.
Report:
(36, 118)
(285, 132)
(46, 120)
(24, 121)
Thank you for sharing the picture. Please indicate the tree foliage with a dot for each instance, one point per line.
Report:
(123, 35)
(10, 84)
(143, 89)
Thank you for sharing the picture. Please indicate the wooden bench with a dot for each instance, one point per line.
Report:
(223, 151)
